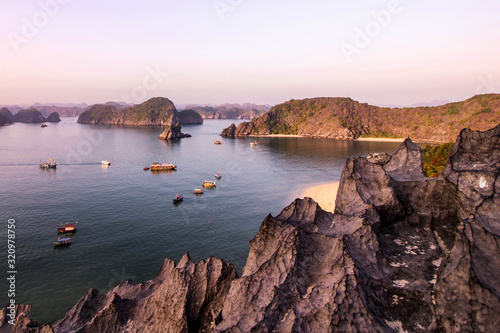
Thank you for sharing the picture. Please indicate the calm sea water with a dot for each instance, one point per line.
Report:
(127, 221)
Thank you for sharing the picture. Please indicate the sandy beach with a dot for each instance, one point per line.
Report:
(324, 195)
(380, 139)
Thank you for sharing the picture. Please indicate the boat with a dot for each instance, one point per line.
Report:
(162, 166)
(207, 183)
(178, 198)
(255, 143)
(62, 242)
(198, 191)
(218, 175)
(50, 164)
(217, 142)
(146, 169)
(43, 125)
(106, 163)
(67, 228)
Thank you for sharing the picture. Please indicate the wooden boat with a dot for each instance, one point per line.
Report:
(218, 175)
(162, 167)
(50, 164)
(62, 242)
(43, 125)
(146, 169)
(178, 198)
(106, 163)
(207, 183)
(67, 228)
(217, 142)
(198, 191)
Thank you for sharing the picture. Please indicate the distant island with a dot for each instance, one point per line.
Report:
(230, 111)
(5, 117)
(26, 116)
(157, 111)
(346, 119)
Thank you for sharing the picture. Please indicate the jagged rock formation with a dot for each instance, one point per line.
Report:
(53, 118)
(157, 111)
(173, 132)
(401, 253)
(346, 119)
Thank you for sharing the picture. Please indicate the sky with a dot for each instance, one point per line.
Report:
(391, 52)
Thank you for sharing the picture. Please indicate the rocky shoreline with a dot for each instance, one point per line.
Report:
(401, 253)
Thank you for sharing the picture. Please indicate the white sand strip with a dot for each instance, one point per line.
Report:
(324, 195)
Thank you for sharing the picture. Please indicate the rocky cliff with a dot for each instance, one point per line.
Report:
(345, 119)
(156, 111)
(173, 132)
(401, 253)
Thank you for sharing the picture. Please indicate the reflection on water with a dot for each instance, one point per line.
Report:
(127, 222)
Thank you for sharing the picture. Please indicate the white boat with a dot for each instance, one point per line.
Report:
(255, 143)
(105, 162)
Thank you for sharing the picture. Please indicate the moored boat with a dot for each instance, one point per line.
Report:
(146, 169)
(67, 228)
(106, 163)
(50, 164)
(217, 142)
(62, 242)
(162, 166)
(43, 125)
(218, 175)
(198, 191)
(255, 143)
(207, 183)
(178, 198)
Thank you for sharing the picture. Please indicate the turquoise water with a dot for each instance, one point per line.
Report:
(127, 222)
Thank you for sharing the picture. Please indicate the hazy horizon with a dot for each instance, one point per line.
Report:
(233, 51)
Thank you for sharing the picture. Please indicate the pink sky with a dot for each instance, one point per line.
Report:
(266, 52)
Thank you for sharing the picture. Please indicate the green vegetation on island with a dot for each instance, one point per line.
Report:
(156, 111)
(435, 158)
(346, 119)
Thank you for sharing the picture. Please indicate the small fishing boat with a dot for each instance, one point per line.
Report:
(67, 228)
(198, 191)
(106, 163)
(62, 242)
(207, 183)
(163, 167)
(255, 143)
(146, 169)
(50, 164)
(178, 198)
(43, 125)
(217, 142)
(218, 175)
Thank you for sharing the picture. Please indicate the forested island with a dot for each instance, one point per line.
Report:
(346, 119)
(157, 111)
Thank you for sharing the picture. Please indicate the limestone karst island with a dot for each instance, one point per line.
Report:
(235, 166)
